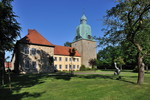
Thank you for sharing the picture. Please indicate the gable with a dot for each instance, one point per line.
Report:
(34, 37)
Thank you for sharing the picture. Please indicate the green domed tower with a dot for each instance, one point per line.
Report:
(83, 31)
(84, 42)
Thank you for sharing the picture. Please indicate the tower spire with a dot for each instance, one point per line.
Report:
(83, 19)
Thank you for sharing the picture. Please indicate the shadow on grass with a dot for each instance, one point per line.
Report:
(112, 77)
(29, 80)
(19, 82)
(8, 95)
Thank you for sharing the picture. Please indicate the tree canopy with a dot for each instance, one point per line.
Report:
(129, 21)
(9, 30)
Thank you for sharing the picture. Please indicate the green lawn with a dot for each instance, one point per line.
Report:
(78, 87)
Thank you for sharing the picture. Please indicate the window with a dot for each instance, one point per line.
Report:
(77, 59)
(34, 64)
(38, 52)
(60, 66)
(74, 66)
(66, 59)
(60, 59)
(77, 66)
(27, 64)
(55, 58)
(70, 67)
(33, 51)
(26, 50)
(70, 59)
(56, 66)
(66, 66)
(74, 59)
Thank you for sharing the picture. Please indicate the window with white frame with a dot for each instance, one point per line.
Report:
(74, 66)
(74, 59)
(70, 67)
(66, 59)
(77, 66)
(77, 59)
(60, 59)
(70, 59)
(55, 58)
(66, 66)
(60, 66)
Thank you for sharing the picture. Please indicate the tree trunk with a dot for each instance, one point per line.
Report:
(140, 68)
(2, 67)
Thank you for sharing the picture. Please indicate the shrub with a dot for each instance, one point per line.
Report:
(82, 68)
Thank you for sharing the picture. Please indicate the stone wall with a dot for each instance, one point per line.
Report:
(34, 58)
(87, 50)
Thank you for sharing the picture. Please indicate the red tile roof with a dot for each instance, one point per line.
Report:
(36, 38)
(62, 50)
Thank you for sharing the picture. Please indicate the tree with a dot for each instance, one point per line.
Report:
(129, 54)
(93, 62)
(9, 31)
(129, 21)
(107, 55)
(119, 62)
(67, 44)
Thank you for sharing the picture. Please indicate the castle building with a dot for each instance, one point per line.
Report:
(84, 42)
(34, 54)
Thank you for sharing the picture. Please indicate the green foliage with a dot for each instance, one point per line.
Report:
(9, 27)
(107, 55)
(67, 44)
(72, 51)
(82, 68)
(119, 61)
(129, 21)
(93, 63)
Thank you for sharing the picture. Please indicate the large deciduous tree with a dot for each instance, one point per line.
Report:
(129, 21)
(9, 30)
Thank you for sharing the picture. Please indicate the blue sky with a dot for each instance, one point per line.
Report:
(57, 20)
